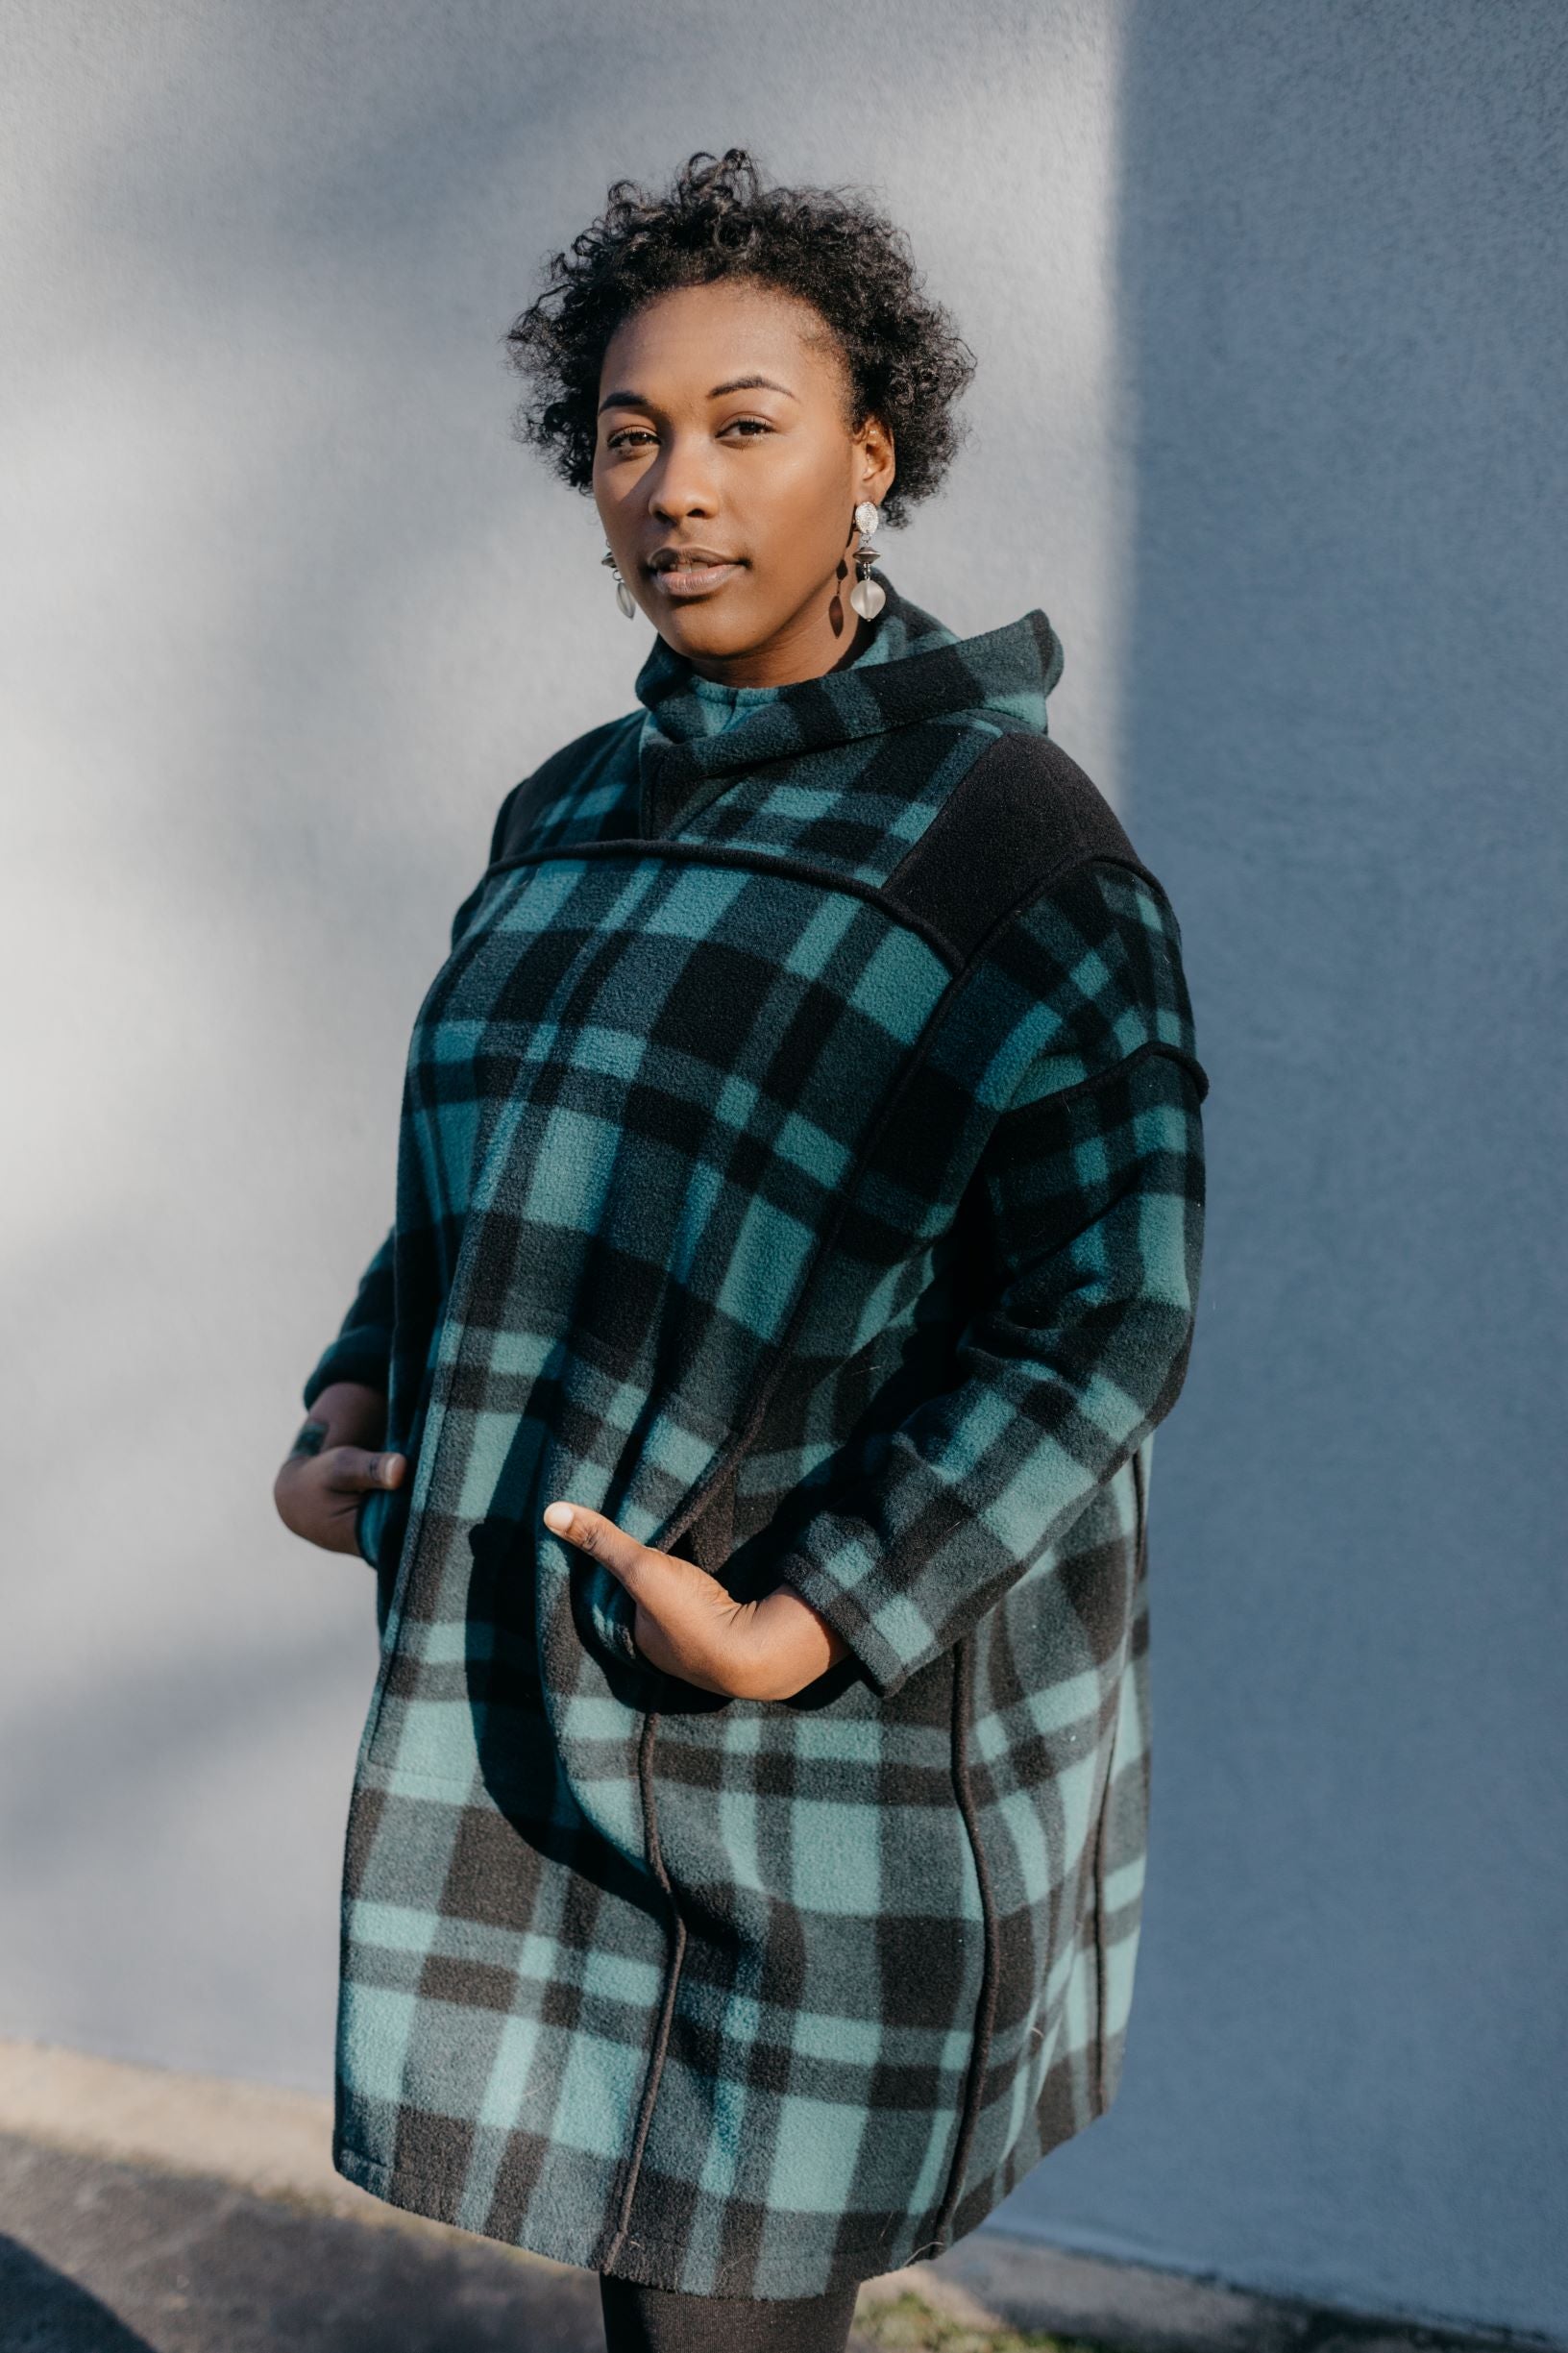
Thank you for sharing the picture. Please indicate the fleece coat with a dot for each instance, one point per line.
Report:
(801, 1162)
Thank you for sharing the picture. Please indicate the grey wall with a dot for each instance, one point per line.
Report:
(1268, 311)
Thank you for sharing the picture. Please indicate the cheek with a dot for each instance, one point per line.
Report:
(800, 510)
(610, 485)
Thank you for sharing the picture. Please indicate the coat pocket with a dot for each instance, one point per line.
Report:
(668, 1458)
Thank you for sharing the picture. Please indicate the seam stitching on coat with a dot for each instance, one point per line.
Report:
(1139, 1544)
(985, 1999)
(1105, 1078)
(751, 861)
(1098, 1868)
(806, 869)
(1070, 862)
(661, 2039)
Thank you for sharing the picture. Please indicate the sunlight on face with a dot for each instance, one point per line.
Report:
(724, 434)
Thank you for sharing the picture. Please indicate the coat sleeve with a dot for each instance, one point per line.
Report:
(362, 1350)
(1088, 1199)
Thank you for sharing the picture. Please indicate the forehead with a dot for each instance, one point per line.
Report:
(694, 337)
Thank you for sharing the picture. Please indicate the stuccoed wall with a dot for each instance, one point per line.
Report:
(1267, 307)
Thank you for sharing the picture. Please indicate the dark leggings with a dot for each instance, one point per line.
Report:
(639, 2320)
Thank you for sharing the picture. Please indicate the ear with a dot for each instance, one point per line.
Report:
(875, 462)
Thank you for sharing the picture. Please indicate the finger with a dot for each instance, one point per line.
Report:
(686, 1621)
(659, 1582)
(592, 1532)
(351, 1469)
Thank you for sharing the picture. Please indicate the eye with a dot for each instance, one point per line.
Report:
(626, 434)
(749, 425)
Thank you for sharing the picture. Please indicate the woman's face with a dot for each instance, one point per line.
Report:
(724, 442)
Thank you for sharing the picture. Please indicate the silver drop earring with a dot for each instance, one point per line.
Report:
(865, 597)
(623, 594)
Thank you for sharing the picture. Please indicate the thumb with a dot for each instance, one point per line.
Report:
(592, 1532)
(354, 1469)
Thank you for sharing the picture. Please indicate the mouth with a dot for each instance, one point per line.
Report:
(691, 572)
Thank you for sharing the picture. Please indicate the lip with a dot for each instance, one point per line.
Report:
(696, 572)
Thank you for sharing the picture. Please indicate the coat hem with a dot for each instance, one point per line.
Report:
(415, 2192)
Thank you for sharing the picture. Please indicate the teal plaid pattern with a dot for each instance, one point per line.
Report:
(801, 1162)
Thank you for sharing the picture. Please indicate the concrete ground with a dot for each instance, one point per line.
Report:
(147, 2212)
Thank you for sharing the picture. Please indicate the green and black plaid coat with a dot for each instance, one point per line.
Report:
(801, 1162)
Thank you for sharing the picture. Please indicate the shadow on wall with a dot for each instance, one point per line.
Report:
(1340, 271)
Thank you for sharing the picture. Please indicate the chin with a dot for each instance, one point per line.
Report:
(703, 629)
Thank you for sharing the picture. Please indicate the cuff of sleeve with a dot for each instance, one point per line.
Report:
(886, 1667)
(360, 1356)
(369, 1514)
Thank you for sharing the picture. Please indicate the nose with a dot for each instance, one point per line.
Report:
(683, 483)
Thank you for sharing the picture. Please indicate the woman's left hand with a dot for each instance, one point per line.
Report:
(689, 1626)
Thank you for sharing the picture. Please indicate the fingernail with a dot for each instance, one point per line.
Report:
(558, 1516)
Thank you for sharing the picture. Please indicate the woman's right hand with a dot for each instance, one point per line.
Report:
(332, 1464)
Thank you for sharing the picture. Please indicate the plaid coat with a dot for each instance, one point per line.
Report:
(801, 1162)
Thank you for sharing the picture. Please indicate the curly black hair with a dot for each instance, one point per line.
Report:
(831, 247)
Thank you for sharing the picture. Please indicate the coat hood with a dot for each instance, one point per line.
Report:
(697, 734)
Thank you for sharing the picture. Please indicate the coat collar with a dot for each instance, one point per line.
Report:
(697, 735)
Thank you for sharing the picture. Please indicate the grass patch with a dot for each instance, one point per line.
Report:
(909, 2325)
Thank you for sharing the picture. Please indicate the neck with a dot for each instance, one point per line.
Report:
(808, 646)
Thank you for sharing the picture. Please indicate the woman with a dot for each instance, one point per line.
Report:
(748, 1417)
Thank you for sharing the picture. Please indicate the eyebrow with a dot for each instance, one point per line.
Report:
(735, 384)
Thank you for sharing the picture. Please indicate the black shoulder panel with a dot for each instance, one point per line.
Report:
(536, 792)
(1023, 815)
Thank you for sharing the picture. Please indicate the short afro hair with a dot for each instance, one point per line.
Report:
(830, 247)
